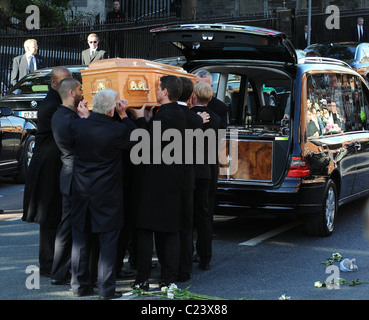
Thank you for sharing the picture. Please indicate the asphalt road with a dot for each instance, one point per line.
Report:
(253, 259)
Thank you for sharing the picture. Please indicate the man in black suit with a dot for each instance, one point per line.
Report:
(28, 62)
(303, 39)
(159, 209)
(360, 33)
(205, 175)
(97, 188)
(93, 53)
(70, 91)
(194, 121)
(219, 107)
(42, 201)
(116, 15)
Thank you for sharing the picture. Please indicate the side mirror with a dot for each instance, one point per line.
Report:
(6, 112)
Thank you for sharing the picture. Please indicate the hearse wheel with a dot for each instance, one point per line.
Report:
(322, 224)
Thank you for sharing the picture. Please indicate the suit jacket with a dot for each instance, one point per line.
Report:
(42, 198)
(61, 126)
(161, 184)
(20, 67)
(302, 42)
(206, 170)
(97, 186)
(355, 34)
(220, 108)
(193, 122)
(86, 59)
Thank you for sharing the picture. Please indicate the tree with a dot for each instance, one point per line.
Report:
(52, 13)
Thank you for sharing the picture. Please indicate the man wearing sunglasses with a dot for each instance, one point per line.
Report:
(93, 53)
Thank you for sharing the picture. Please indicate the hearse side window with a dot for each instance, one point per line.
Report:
(325, 104)
(356, 114)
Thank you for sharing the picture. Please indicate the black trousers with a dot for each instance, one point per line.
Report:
(167, 247)
(46, 249)
(186, 234)
(63, 243)
(203, 220)
(126, 233)
(81, 247)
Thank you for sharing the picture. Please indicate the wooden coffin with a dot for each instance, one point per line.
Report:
(133, 79)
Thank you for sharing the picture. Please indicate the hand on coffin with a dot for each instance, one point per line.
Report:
(148, 112)
(121, 107)
(205, 116)
(142, 112)
(82, 109)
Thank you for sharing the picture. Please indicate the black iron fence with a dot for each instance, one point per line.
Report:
(63, 46)
(133, 39)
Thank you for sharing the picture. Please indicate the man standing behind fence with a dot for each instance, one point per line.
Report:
(28, 62)
(93, 53)
(116, 15)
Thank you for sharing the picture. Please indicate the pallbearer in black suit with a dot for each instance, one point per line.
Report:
(159, 209)
(70, 91)
(204, 173)
(42, 200)
(194, 121)
(97, 189)
(220, 108)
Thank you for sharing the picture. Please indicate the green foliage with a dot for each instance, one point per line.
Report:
(53, 13)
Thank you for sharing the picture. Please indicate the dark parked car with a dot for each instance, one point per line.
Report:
(282, 159)
(355, 54)
(24, 97)
(17, 138)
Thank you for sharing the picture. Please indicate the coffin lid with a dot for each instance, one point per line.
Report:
(116, 63)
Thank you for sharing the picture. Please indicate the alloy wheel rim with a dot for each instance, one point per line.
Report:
(30, 152)
(330, 208)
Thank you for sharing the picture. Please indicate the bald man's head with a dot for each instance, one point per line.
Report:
(57, 75)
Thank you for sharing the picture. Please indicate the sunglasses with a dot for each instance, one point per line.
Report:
(93, 41)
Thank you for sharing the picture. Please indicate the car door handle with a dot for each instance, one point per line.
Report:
(358, 146)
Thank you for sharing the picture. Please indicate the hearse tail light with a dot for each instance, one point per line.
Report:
(299, 168)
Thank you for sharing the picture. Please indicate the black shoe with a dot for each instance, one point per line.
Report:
(204, 266)
(141, 285)
(60, 282)
(116, 295)
(125, 274)
(183, 277)
(87, 292)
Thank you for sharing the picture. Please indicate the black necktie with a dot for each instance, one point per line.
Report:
(31, 65)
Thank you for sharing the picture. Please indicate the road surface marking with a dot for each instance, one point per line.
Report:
(270, 234)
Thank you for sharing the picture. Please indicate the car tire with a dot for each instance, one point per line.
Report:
(322, 224)
(25, 159)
